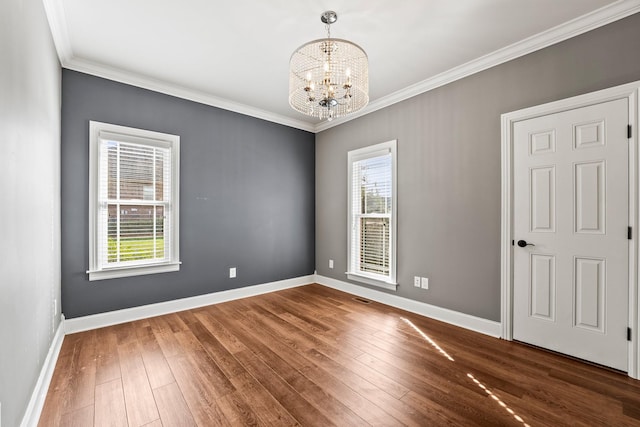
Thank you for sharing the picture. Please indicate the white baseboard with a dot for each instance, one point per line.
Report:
(36, 403)
(101, 320)
(477, 324)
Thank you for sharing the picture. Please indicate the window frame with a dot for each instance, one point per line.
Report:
(387, 282)
(144, 137)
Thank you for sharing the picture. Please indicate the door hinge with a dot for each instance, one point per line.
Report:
(629, 233)
(628, 334)
(629, 133)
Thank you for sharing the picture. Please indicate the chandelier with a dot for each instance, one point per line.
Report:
(328, 78)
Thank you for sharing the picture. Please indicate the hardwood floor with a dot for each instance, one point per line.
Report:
(314, 356)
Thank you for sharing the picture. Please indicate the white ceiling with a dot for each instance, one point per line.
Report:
(235, 54)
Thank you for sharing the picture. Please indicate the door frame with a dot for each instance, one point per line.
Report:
(631, 92)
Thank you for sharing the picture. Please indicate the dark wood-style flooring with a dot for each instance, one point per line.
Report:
(314, 356)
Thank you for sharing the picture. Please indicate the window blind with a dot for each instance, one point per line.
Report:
(134, 203)
(371, 209)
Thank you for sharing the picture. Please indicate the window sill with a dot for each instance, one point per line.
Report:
(392, 286)
(133, 271)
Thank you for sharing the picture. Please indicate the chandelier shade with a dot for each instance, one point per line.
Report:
(328, 78)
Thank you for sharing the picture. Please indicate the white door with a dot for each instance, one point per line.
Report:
(571, 208)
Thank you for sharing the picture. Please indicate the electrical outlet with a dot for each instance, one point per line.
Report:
(232, 273)
(330, 263)
(416, 281)
(424, 283)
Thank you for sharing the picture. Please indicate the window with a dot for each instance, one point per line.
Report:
(133, 201)
(372, 215)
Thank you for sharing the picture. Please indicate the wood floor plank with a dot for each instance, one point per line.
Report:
(220, 355)
(431, 413)
(266, 342)
(202, 364)
(265, 406)
(79, 418)
(158, 371)
(631, 409)
(197, 393)
(173, 409)
(59, 389)
(176, 322)
(209, 320)
(349, 358)
(320, 330)
(303, 411)
(107, 362)
(280, 306)
(110, 408)
(315, 356)
(165, 336)
(431, 387)
(377, 394)
(297, 337)
(283, 359)
(125, 333)
(237, 411)
(141, 406)
(305, 298)
(358, 404)
(82, 372)
(156, 423)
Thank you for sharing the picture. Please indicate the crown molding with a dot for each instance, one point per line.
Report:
(138, 80)
(590, 21)
(56, 16)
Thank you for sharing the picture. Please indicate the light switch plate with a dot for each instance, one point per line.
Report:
(232, 273)
(424, 283)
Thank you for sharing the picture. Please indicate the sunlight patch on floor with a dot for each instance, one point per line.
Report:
(498, 401)
(428, 338)
(478, 383)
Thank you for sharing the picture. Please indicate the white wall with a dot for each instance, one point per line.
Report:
(29, 201)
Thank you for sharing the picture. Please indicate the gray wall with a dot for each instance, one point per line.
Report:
(247, 196)
(30, 201)
(449, 165)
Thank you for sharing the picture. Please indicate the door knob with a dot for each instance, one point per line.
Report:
(523, 243)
